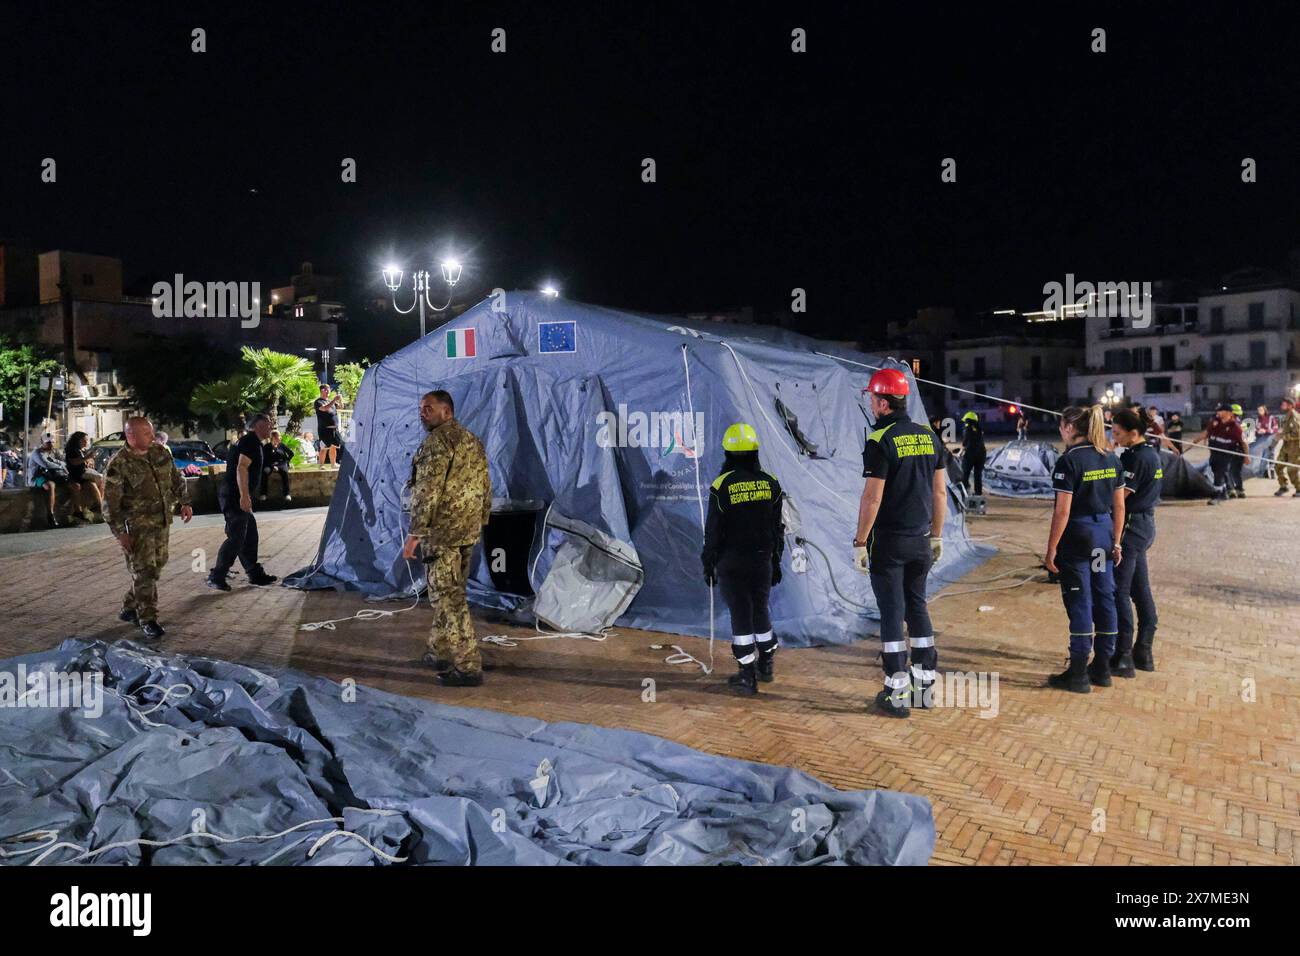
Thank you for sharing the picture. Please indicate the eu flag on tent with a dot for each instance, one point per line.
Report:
(460, 343)
(557, 336)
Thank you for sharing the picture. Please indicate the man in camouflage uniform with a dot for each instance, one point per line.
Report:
(141, 490)
(451, 500)
(1288, 436)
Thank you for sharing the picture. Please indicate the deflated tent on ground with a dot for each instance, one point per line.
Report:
(291, 769)
(603, 431)
(1021, 469)
(1181, 479)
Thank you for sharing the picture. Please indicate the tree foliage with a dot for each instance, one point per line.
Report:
(15, 360)
(161, 371)
(349, 376)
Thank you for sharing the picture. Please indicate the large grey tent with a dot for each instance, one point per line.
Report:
(1021, 469)
(603, 432)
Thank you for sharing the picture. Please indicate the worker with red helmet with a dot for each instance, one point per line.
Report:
(899, 538)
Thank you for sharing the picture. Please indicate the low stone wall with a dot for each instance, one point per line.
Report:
(23, 510)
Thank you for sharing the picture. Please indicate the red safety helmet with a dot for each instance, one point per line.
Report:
(888, 381)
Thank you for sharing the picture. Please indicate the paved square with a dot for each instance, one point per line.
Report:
(1196, 763)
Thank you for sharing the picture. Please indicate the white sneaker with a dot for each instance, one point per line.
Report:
(261, 497)
(288, 497)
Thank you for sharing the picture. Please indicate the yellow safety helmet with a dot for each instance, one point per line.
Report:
(740, 437)
(1236, 409)
(970, 417)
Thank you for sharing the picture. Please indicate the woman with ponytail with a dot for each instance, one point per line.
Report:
(1084, 546)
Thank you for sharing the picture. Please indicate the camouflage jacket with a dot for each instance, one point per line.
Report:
(1289, 431)
(142, 488)
(451, 492)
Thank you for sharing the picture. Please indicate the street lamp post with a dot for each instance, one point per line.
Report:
(325, 358)
(421, 282)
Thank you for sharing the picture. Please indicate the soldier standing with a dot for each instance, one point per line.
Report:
(451, 502)
(1288, 436)
(141, 489)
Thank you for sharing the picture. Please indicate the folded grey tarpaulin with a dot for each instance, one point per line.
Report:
(248, 754)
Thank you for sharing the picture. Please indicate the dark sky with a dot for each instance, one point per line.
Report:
(775, 170)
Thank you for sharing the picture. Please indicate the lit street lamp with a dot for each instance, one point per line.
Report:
(325, 357)
(393, 279)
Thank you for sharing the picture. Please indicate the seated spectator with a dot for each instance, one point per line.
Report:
(45, 472)
(275, 458)
(82, 476)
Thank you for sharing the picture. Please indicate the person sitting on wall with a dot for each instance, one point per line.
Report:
(45, 472)
(276, 456)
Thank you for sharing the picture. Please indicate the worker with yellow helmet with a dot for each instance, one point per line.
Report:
(743, 540)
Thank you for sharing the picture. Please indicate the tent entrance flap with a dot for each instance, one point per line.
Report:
(592, 579)
(508, 544)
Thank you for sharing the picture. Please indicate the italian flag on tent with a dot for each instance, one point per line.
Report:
(460, 343)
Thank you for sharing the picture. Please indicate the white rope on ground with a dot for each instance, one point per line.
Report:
(681, 657)
(54, 843)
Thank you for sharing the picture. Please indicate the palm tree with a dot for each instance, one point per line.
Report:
(273, 373)
(225, 401)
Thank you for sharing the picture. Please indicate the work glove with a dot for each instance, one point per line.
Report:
(861, 559)
(936, 549)
(710, 576)
(776, 573)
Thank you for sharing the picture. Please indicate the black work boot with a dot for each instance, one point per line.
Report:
(1074, 678)
(128, 615)
(458, 678)
(258, 578)
(218, 582)
(1142, 658)
(1121, 664)
(745, 681)
(766, 660)
(1099, 670)
(892, 706)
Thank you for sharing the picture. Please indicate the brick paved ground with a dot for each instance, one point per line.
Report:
(1184, 768)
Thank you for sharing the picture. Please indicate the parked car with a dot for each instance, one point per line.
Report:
(192, 451)
(105, 448)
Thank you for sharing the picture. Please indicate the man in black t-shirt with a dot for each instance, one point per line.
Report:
(899, 538)
(235, 496)
(328, 426)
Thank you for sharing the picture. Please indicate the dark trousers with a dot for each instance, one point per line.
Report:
(1132, 584)
(899, 566)
(283, 471)
(746, 584)
(1087, 575)
(241, 538)
(1219, 468)
(1235, 464)
(969, 465)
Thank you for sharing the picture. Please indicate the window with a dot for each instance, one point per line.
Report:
(1256, 316)
(1141, 360)
(1168, 359)
(1117, 360)
(1158, 386)
(1216, 356)
(1258, 354)
(1216, 319)
(87, 279)
(980, 371)
(1257, 395)
(1036, 366)
(953, 365)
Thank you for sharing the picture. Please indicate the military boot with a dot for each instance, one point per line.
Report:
(766, 663)
(152, 630)
(1074, 678)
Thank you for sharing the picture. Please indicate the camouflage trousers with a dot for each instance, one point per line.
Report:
(145, 561)
(1290, 454)
(451, 637)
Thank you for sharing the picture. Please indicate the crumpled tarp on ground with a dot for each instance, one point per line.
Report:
(251, 753)
(1021, 469)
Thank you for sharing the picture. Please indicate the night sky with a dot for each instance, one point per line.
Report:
(775, 170)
